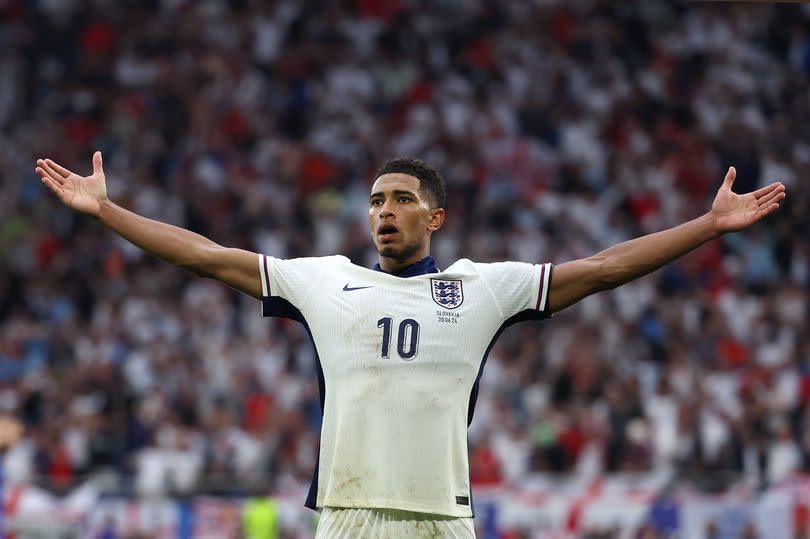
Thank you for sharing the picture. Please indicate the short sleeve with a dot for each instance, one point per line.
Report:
(518, 286)
(291, 279)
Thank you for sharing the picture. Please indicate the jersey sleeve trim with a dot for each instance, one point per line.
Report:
(265, 274)
(543, 287)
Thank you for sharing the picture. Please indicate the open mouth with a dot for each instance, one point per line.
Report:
(387, 231)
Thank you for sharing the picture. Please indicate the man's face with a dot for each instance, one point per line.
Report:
(401, 218)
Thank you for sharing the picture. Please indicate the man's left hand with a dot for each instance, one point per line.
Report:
(734, 212)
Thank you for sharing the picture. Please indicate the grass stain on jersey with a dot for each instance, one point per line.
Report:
(353, 483)
(428, 530)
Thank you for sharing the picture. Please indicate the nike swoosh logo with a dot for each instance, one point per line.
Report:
(348, 288)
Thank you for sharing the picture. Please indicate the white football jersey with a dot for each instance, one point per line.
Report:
(399, 361)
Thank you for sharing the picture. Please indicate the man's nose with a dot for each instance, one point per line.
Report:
(386, 210)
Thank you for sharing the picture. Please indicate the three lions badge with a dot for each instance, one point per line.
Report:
(447, 292)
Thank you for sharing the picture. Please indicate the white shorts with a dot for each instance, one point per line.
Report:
(340, 523)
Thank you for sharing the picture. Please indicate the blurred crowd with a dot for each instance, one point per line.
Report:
(560, 127)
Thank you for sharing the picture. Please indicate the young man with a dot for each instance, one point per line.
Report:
(401, 348)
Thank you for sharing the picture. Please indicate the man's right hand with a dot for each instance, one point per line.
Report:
(84, 194)
(236, 268)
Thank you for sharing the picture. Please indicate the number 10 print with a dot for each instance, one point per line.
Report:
(407, 337)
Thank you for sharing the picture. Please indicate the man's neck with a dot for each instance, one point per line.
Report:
(410, 268)
(389, 265)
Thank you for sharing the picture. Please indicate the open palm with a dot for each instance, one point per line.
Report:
(84, 194)
(734, 212)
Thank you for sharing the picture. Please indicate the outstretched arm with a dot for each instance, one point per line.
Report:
(573, 281)
(237, 268)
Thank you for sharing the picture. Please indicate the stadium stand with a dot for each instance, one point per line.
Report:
(561, 127)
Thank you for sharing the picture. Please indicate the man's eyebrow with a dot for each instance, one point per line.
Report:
(397, 192)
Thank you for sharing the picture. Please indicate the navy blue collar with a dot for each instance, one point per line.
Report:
(426, 265)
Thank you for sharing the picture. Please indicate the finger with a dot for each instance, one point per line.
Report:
(759, 193)
(52, 185)
(44, 170)
(58, 168)
(767, 211)
(98, 166)
(729, 179)
(776, 196)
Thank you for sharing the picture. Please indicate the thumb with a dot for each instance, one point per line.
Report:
(730, 176)
(98, 166)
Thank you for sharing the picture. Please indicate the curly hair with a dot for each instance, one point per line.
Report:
(429, 179)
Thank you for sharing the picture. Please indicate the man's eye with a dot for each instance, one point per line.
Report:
(376, 202)
(404, 199)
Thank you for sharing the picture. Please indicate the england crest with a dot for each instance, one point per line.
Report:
(447, 292)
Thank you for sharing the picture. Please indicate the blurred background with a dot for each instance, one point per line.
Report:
(157, 404)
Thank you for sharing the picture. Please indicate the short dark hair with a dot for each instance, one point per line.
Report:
(429, 179)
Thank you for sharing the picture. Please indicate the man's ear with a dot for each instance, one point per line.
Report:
(436, 219)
